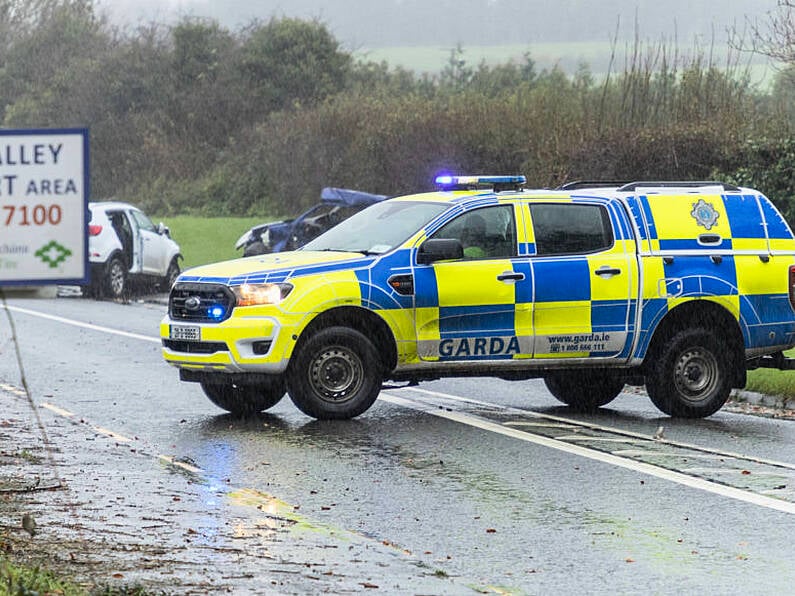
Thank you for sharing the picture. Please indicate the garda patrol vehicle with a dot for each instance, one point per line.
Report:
(678, 286)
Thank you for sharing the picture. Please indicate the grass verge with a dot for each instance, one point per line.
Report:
(16, 579)
(208, 240)
(23, 580)
(770, 381)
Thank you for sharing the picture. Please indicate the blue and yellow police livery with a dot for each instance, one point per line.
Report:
(678, 286)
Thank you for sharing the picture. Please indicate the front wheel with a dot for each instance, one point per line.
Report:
(336, 374)
(690, 376)
(171, 274)
(245, 400)
(584, 390)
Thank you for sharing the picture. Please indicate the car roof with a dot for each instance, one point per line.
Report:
(105, 205)
(346, 196)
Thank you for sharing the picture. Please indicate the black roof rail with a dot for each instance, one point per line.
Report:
(680, 184)
(576, 184)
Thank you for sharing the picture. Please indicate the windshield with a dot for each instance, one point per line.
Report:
(379, 228)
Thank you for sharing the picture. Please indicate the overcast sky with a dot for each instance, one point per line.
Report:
(361, 24)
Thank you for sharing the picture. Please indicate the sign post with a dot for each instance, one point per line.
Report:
(44, 190)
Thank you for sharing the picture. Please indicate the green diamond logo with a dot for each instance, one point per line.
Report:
(53, 253)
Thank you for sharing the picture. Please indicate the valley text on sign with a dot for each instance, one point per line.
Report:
(43, 206)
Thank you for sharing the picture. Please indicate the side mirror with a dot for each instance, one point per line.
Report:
(162, 229)
(439, 249)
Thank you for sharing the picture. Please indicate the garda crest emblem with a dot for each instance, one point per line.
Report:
(705, 214)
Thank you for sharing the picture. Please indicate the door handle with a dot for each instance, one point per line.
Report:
(607, 271)
(510, 276)
(709, 239)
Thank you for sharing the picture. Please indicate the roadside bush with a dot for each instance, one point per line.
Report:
(686, 152)
(767, 165)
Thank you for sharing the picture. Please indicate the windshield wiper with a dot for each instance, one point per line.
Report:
(367, 253)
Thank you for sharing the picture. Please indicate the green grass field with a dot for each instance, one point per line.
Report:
(773, 382)
(601, 57)
(208, 240)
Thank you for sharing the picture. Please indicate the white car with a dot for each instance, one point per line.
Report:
(124, 246)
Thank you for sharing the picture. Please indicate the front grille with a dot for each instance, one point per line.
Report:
(195, 347)
(200, 302)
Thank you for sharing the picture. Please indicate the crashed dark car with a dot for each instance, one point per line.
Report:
(336, 205)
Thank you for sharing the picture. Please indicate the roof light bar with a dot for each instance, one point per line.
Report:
(448, 182)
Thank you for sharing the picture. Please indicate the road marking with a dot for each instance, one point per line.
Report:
(624, 440)
(607, 458)
(607, 429)
(90, 326)
(98, 429)
(180, 464)
(57, 410)
(18, 391)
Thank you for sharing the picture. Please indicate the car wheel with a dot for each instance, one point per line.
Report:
(584, 390)
(171, 274)
(690, 376)
(336, 374)
(115, 278)
(245, 400)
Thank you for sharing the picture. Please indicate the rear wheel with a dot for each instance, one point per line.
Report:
(690, 377)
(336, 374)
(115, 282)
(245, 400)
(584, 390)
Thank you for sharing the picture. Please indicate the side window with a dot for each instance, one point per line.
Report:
(144, 223)
(489, 232)
(571, 228)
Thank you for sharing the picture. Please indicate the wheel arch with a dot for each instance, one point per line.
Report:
(362, 320)
(710, 316)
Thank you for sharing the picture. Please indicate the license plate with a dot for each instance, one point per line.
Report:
(185, 332)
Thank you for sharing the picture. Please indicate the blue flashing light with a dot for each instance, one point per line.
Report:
(216, 312)
(447, 181)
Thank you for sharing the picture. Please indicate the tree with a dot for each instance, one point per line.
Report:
(52, 35)
(289, 60)
(776, 37)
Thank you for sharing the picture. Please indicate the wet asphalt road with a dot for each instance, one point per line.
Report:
(426, 493)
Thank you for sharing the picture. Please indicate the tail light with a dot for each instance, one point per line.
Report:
(792, 286)
(94, 230)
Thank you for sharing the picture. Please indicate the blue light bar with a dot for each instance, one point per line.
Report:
(446, 180)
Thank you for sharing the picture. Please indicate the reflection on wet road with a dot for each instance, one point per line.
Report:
(748, 478)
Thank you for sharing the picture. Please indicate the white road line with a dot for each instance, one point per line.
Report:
(641, 452)
(180, 464)
(607, 429)
(91, 326)
(57, 410)
(584, 438)
(635, 466)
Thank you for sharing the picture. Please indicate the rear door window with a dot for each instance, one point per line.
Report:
(571, 228)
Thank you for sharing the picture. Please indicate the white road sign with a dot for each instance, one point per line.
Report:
(44, 188)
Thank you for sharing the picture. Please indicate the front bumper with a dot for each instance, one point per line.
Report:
(253, 344)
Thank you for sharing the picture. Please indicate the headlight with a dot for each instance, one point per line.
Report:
(243, 240)
(253, 294)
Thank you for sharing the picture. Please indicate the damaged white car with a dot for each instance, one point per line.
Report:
(125, 247)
